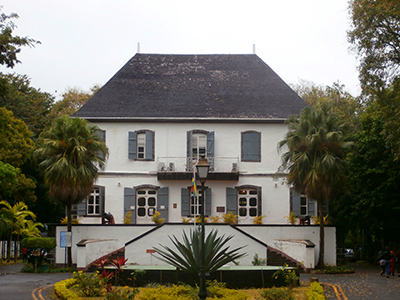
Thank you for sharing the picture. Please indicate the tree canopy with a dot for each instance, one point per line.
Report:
(315, 157)
(16, 143)
(375, 35)
(10, 45)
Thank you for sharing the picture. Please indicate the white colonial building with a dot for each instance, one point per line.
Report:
(159, 113)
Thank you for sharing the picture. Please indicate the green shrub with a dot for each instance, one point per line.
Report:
(315, 291)
(218, 290)
(175, 292)
(47, 243)
(62, 291)
(289, 275)
(91, 285)
(277, 294)
(121, 293)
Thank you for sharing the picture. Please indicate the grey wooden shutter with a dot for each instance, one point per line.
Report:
(210, 149)
(208, 202)
(251, 146)
(102, 135)
(259, 202)
(311, 208)
(132, 147)
(81, 208)
(231, 200)
(162, 203)
(185, 202)
(149, 155)
(102, 199)
(130, 203)
(295, 199)
(189, 151)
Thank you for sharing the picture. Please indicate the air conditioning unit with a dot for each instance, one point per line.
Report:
(234, 167)
(171, 167)
(161, 167)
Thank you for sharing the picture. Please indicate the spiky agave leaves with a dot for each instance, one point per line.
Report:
(188, 254)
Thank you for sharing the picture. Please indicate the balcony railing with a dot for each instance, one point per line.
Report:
(186, 164)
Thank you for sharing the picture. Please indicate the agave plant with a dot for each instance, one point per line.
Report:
(188, 258)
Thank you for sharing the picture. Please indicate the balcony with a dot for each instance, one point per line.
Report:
(181, 168)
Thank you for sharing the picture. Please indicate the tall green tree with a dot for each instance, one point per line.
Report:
(27, 103)
(15, 218)
(70, 154)
(315, 158)
(72, 100)
(375, 35)
(10, 45)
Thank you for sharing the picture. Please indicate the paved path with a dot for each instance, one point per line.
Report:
(365, 284)
(20, 286)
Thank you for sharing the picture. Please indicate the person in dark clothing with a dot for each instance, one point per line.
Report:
(386, 257)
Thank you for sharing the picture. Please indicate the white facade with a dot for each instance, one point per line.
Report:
(170, 146)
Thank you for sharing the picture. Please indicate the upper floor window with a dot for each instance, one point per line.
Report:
(141, 145)
(251, 146)
(200, 142)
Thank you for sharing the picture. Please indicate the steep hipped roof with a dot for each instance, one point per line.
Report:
(194, 86)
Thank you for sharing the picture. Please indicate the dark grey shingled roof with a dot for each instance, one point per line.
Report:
(194, 86)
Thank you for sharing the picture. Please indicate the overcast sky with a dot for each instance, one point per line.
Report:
(85, 42)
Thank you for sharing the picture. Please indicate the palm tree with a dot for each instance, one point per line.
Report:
(70, 154)
(188, 256)
(14, 218)
(315, 158)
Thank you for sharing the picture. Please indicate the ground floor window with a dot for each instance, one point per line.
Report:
(248, 202)
(195, 203)
(146, 204)
(93, 203)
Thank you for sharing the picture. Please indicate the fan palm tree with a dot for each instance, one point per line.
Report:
(70, 154)
(315, 158)
(14, 218)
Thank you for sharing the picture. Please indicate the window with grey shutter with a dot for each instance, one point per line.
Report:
(149, 145)
(81, 208)
(251, 146)
(101, 199)
(185, 202)
(295, 199)
(141, 145)
(231, 200)
(311, 207)
(208, 202)
(162, 203)
(130, 203)
(210, 149)
(132, 148)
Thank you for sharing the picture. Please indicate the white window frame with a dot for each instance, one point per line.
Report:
(93, 203)
(249, 195)
(146, 194)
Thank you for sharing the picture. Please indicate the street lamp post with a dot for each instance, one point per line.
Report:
(202, 173)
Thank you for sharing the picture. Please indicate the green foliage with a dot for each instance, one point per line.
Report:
(175, 292)
(8, 179)
(315, 291)
(216, 290)
(289, 275)
(187, 258)
(315, 159)
(90, 285)
(292, 218)
(259, 261)
(46, 243)
(122, 293)
(157, 219)
(277, 294)
(72, 100)
(338, 270)
(230, 218)
(70, 153)
(374, 34)
(10, 45)
(16, 143)
(28, 104)
(62, 290)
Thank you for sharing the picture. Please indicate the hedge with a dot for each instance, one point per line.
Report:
(63, 292)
